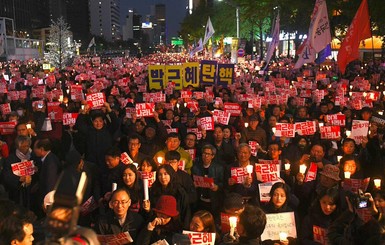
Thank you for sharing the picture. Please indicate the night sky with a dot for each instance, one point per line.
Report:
(175, 11)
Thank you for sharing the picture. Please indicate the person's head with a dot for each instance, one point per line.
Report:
(134, 144)
(366, 113)
(251, 222)
(130, 174)
(23, 143)
(165, 175)
(166, 208)
(169, 114)
(16, 232)
(218, 133)
(202, 105)
(302, 112)
(349, 146)
(272, 121)
(139, 126)
(172, 158)
(379, 200)
(21, 129)
(302, 142)
(243, 153)
(274, 151)
(318, 152)
(208, 154)
(254, 121)
(13, 117)
(112, 157)
(42, 147)
(279, 195)
(276, 111)
(226, 132)
(323, 108)
(120, 202)
(329, 200)
(173, 141)
(98, 120)
(150, 131)
(147, 165)
(350, 163)
(202, 221)
(190, 140)
(233, 204)
(329, 176)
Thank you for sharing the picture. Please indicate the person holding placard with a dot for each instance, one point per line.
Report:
(167, 183)
(120, 219)
(324, 210)
(209, 198)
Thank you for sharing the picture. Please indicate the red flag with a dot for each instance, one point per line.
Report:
(359, 29)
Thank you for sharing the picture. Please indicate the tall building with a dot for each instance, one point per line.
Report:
(78, 18)
(58, 8)
(104, 19)
(160, 27)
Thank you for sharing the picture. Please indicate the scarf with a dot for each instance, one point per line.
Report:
(24, 157)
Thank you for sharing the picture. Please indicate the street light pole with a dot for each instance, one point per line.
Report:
(237, 16)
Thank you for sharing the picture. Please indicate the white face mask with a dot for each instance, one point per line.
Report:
(20, 112)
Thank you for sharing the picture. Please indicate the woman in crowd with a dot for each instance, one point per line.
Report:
(349, 164)
(165, 222)
(147, 165)
(166, 184)
(281, 200)
(132, 185)
(321, 214)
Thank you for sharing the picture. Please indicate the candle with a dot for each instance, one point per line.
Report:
(68, 91)
(160, 160)
(364, 94)
(249, 169)
(321, 124)
(348, 133)
(233, 224)
(377, 183)
(347, 175)
(114, 186)
(339, 159)
(302, 168)
(350, 93)
(283, 236)
(82, 107)
(287, 166)
(28, 126)
(177, 106)
(246, 124)
(185, 104)
(381, 113)
(61, 98)
(145, 188)
(273, 129)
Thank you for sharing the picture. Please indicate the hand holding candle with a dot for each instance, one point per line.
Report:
(246, 124)
(114, 186)
(348, 133)
(233, 224)
(249, 169)
(377, 183)
(347, 175)
(145, 188)
(302, 168)
(283, 237)
(287, 166)
(159, 160)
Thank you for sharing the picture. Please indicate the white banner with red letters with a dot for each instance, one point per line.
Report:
(96, 100)
(267, 172)
(354, 184)
(5, 108)
(221, 117)
(305, 128)
(320, 235)
(7, 127)
(311, 173)
(234, 109)
(285, 130)
(25, 168)
(54, 111)
(151, 176)
(88, 206)
(203, 182)
(201, 238)
(77, 92)
(225, 223)
(206, 123)
(359, 130)
(125, 158)
(145, 109)
(336, 119)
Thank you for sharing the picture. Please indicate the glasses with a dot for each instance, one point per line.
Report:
(116, 203)
(207, 154)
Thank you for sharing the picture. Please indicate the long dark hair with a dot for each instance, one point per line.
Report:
(333, 193)
(171, 188)
(284, 207)
(135, 189)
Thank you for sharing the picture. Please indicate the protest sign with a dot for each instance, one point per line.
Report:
(206, 123)
(23, 168)
(200, 238)
(267, 172)
(279, 222)
(330, 132)
(359, 130)
(69, 118)
(305, 128)
(239, 175)
(96, 100)
(203, 182)
(284, 130)
(116, 239)
(145, 109)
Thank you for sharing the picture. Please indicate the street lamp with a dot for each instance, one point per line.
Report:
(236, 12)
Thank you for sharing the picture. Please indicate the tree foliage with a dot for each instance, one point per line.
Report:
(60, 47)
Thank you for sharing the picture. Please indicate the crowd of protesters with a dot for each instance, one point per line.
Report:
(95, 142)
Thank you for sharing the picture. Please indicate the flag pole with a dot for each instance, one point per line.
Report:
(371, 30)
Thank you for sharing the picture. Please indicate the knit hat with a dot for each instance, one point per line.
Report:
(166, 205)
(331, 171)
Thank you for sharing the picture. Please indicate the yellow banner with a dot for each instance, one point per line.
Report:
(191, 74)
(174, 73)
(156, 76)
